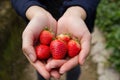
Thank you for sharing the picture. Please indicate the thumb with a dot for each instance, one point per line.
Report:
(29, 53)
(54, 64)
(27, 47)
(85, 48)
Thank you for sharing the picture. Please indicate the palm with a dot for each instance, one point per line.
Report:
(77, 28)
(30, 34)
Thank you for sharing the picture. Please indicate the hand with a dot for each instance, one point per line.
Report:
(39, 19)
(53, 67)
(73, 22)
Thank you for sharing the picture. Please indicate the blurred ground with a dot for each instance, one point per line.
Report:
(89, 70)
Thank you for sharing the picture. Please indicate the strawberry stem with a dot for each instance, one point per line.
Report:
(46, 28)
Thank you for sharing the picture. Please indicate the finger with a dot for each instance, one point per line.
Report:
(53, 25)
(40, 67)
(85, 48)
(27, 46)
(69, 65)
(30, 53)
(50, 59)
(54, 64)
(61, 28)
(55, 74)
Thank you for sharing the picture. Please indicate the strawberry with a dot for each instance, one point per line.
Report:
(58, 49)
(46, 37)
(65, 37)
(42, 51)
(73, 48)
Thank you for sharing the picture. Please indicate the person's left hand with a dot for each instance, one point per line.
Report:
(73, 22)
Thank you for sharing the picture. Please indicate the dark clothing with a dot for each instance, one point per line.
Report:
(74, 73)
(58, 7)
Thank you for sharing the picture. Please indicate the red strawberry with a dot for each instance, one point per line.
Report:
(42, 51)
(65, 37)
(73, 48)
(46, 37)
(58, 49)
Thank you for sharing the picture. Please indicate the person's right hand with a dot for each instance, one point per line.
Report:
(39, 19)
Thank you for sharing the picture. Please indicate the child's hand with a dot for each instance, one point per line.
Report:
(73, 22)
(39, 19)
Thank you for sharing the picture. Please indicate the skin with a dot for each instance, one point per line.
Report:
(74, 24)
(71, 22)
(39, 19)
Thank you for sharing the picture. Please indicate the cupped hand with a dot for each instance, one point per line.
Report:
(39, 19)
(72, 22)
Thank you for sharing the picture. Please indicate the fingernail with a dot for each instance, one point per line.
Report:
(47, 67)
(32, 58)
(62, 71)
(53, 67)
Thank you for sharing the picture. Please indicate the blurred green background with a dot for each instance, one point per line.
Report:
(12, 60)
(108, 21)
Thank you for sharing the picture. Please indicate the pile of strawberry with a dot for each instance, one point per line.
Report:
(58, 47)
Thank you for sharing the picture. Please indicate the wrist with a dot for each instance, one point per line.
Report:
(76, 11)
(36, 12)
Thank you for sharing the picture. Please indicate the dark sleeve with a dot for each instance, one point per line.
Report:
(89, 6)
(21, 6)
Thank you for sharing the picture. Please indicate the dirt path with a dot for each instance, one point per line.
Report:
(89, 70)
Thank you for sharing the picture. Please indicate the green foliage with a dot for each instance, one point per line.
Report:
(108, 20)
(12, 60)
(11, 56)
